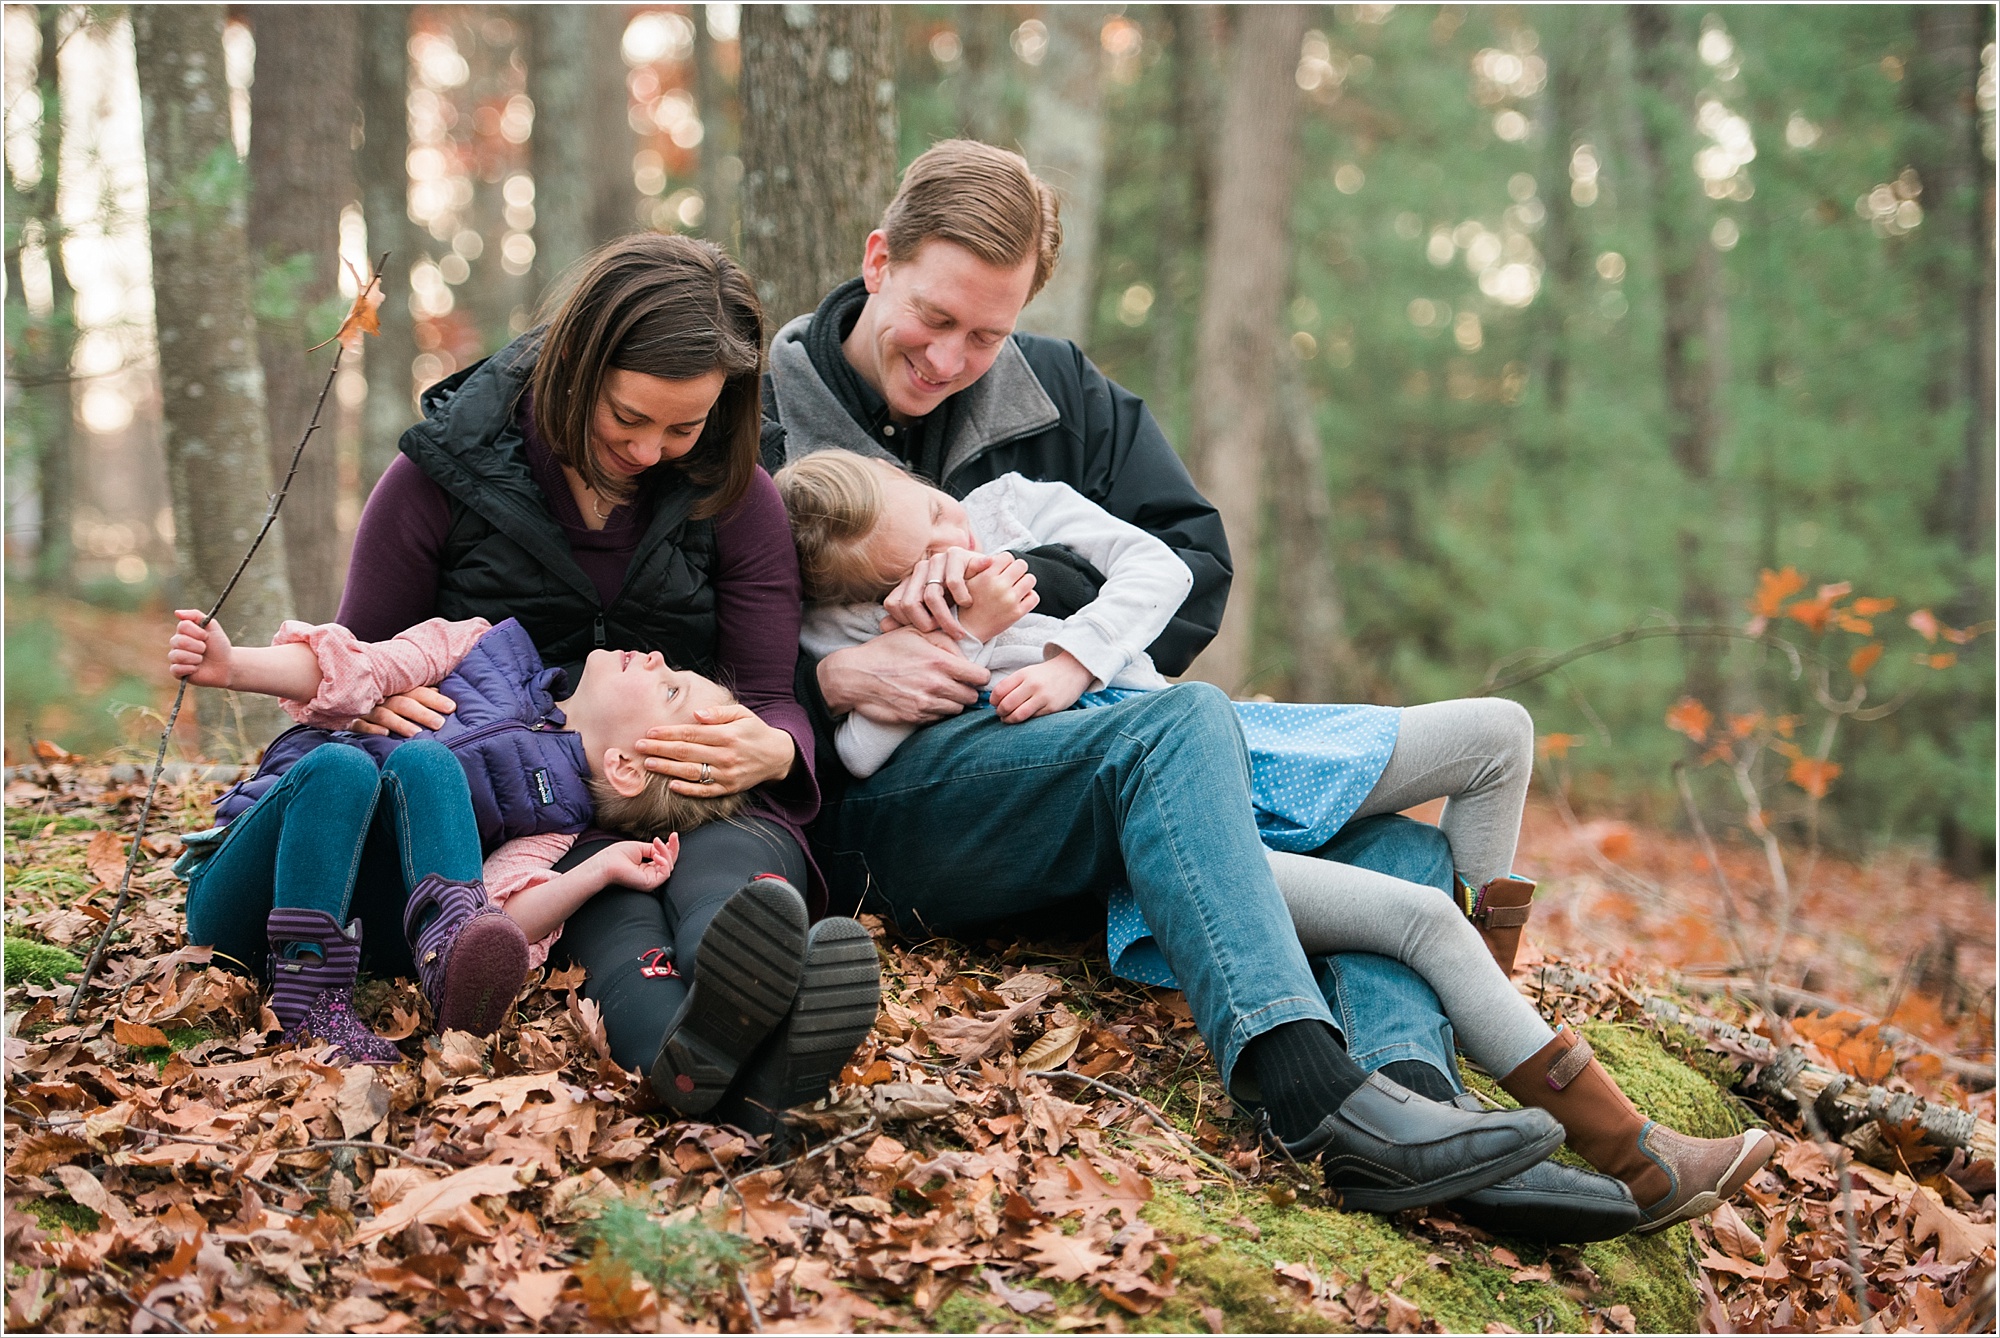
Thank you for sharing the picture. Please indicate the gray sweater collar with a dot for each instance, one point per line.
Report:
(1006, 403)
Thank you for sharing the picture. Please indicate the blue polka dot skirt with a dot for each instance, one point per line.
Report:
(1311, 765)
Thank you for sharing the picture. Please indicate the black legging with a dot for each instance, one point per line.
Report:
(617, 935)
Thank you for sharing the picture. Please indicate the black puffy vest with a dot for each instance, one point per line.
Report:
(506, 557)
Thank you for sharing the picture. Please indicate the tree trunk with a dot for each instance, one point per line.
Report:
(301, 177)
(1309, 609)
(1693, 351)
(614, 197)
(982, 81)
(1957, 250)
(211, 385)
(1571, 41)
(1065, 145)
(819, 146)
(52, 338)
(567, 82)
(1246, 276)
(721, 171)
(1178, 222)
(382, 163)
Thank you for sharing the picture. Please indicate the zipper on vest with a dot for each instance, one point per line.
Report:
(597, 631)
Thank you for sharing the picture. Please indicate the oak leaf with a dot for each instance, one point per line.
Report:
(1064, 1258)
(440, 1199)
(1958, 1239)
(105, 857)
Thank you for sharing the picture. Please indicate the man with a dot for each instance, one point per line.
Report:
(974, 820)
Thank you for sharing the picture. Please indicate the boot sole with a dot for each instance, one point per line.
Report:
(489, 962)
(1555, 1219)
(1738, 1174)
(745, 978)
(1450, 1187)
(840, 994)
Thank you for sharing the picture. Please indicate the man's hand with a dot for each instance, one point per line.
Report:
(925, 597)
(1002, 595)
(900, 678)
(729, 745)
(1041, 689)
(197, 653)
(406, 713)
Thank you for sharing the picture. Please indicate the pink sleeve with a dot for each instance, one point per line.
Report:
(519, 865)
(355, 675)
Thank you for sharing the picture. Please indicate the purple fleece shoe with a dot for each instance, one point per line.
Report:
(314, 996)
(471, 958)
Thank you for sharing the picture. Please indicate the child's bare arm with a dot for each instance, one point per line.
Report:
(204, 656)
(640, 865)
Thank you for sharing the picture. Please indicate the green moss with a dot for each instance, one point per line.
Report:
(42, 963)
(1654, 1275)
(178, 1038)
(63, 1213)
(1661, 1085)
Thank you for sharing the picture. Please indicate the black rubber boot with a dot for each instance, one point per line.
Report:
(1387, 1149)
(840, 989)
(1549, 1202)
(746, 975)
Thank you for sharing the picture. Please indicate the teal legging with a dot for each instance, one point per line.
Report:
(337, 835)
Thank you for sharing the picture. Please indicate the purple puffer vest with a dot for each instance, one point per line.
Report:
(526, 771)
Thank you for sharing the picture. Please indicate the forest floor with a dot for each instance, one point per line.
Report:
(996, 1158)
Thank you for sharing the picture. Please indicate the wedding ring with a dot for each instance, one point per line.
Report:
(704, 774)
(928, 584)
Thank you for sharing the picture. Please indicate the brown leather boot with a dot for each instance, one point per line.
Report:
(1499, 911)
(1672, 1177)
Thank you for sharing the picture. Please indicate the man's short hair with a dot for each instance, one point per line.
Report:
(981, 198)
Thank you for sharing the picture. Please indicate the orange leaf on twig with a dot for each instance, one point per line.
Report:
(1864, 659)
(362, 318)
(1691, 718)
(1813, 775)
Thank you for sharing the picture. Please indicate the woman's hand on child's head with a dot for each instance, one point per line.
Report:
(198, 653)
(639, 865)
(926, 597)
(726, 749)
(1041, 689)
(1001, 595)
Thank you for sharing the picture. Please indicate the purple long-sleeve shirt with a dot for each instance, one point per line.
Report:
(392, 583)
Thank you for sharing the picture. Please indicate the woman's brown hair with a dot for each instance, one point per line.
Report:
(660, 305)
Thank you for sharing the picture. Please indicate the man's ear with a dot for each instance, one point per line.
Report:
(626, 773)
(875, 260)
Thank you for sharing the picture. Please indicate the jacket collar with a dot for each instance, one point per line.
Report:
(1006, 403)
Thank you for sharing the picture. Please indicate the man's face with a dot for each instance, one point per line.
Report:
(934, 323)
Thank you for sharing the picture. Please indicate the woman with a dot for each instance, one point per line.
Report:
(597, 480)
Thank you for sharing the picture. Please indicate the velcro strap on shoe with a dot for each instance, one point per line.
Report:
(1570, 1063)
(1503, 917)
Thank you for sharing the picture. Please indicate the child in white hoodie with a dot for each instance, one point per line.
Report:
(864, 527)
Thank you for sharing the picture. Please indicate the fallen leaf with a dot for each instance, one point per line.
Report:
(137, 1034)
(89, 1191)
(534, 1294)
(105, 857)
(1733, 1234)
(979, 1036)
(440, 1199)
(1026, 985)
(1400, 1316)
(1620, 1317)
(1051, 1049)
(1024, 1300)
(363, 1101)
(1957, 1238)
(1064, 1258)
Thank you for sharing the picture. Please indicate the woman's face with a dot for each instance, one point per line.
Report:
(641, 420)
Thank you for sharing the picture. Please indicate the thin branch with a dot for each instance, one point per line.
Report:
(827, 1146)
(1166, 1126)
(367, 1146)
(1838, 1156)
(180, 696)
(1495, 682)
(1730, 918)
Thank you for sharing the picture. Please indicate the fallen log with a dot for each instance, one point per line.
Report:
(1844, 1105)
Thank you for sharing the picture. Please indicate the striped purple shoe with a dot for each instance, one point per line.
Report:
(312, 994)
(471, 958)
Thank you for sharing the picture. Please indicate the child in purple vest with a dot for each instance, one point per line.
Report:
(338, 829)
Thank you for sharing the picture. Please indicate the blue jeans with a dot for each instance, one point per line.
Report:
(337, 835)
(973, 821)
(1386, 1010)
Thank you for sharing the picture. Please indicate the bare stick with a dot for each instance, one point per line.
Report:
(1161, 1120)
(827, 1146)
(1838, 1156)
(1497, 682)
(1730, 918)
(180, 696)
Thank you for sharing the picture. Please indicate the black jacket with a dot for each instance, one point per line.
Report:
(1043, 411)
(506, 557)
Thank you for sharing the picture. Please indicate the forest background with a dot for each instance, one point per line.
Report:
(1494, 330)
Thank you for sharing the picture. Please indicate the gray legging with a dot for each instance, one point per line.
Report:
(1476, 754)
